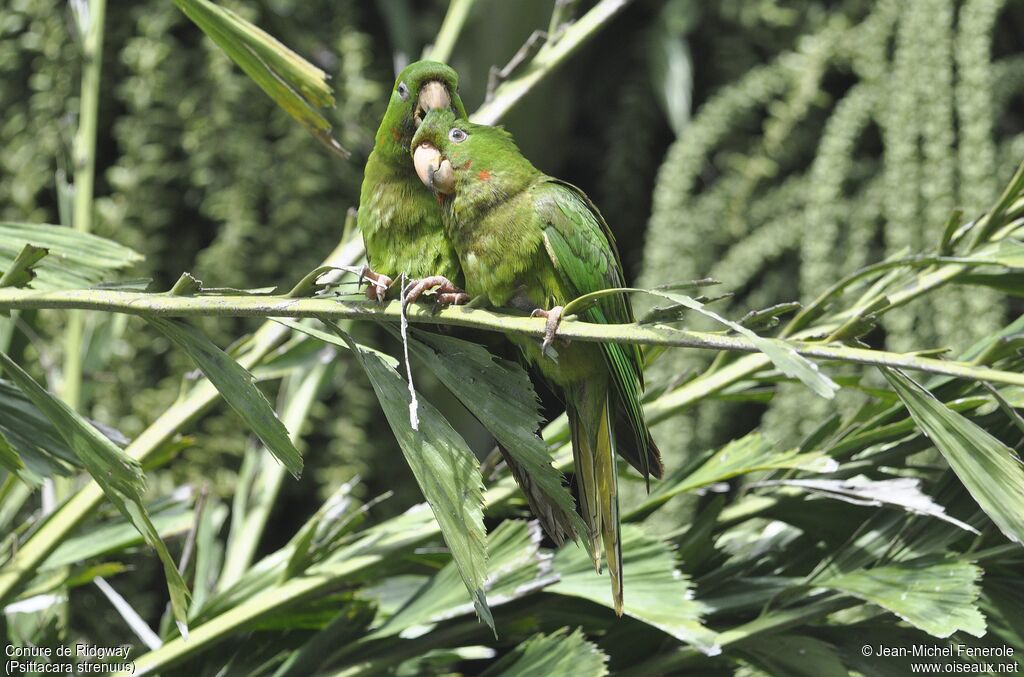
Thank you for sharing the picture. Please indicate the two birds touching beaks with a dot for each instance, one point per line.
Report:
(456, 207)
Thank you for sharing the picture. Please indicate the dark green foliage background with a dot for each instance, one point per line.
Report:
(825, 135)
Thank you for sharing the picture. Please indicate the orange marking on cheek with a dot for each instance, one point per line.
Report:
(395, 134)
(467, 164)
(484, 175)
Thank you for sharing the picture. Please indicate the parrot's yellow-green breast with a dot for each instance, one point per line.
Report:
(400, 220)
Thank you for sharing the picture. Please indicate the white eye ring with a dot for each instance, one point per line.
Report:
(457, 135)
(403, 91)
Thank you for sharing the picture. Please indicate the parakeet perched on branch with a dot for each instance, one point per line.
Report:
(529, 241)
(403, 231)
(400, 222)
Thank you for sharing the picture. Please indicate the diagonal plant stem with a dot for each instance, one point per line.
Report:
(309, 585)
(306, 587)
(24, 564)
(550, 57)
(149, 304)
(299, 394)
(34, 551)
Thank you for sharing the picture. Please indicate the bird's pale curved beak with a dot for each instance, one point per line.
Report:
(434, 170)
(434, 95)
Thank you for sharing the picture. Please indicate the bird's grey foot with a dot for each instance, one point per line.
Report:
(447, 292)
(377, 286)
(554, 318)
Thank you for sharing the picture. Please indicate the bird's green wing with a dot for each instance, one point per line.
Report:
(582, 249)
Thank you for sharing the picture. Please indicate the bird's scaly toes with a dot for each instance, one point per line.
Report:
(378, 284)
(554, 318)
(447, 292)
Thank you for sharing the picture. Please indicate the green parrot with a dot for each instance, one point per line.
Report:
(529, 241)
(400, 222)
(403, 231)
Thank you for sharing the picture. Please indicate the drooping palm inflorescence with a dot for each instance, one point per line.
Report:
(853, 143)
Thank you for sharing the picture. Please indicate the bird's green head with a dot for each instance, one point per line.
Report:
(450, 155)
(421, 87)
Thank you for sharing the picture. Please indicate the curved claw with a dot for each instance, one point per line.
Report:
(378, 285)
(554, 318)
(460, 298)
(447, 292)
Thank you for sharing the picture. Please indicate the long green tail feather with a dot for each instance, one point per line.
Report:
(586, 480)
(627, 386)
(591, 420)
(608, 494)
(582, 247)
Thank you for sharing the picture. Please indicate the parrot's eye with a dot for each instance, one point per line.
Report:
(403, 91)
(457, 135)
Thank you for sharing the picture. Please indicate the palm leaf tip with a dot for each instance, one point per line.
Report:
(296, 85)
